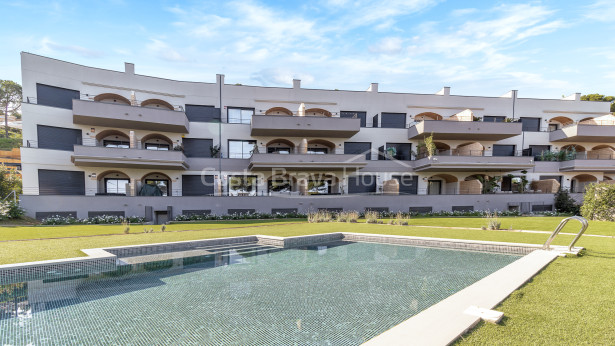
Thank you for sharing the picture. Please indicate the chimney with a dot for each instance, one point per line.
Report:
(296, 83)
(573, 97)
(445, 91)
(129, 68)
(373, 88)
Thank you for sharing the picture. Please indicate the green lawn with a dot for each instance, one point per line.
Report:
(569, 302)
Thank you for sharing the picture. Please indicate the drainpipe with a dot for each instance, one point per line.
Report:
(220, 78)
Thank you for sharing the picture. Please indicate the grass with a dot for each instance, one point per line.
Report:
(570, 302)
(537, 223)
(45, 232)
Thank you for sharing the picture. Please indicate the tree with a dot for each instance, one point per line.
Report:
(599, 97)
(10, 181)
(599, 202)
(10, 100)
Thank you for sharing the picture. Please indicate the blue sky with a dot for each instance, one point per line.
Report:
(542, 48)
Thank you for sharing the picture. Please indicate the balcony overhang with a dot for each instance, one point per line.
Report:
(306, 126)
(94, 113)
(128, 158)
(306, 162)
(584, 133)
(606, 166)
(473, 163)
(464, 130)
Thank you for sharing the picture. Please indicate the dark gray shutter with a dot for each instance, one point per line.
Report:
(463, 208)
(196, 147)
(393, 120)
(358, 148)
(420, 210)
(530, 124)
(52, 182)
(56, 97)
(58, 138)
(503, 150)
(408, 185)
(351, 114)
(195, 185)
(375, 121)
(362, 184)
(200, 113)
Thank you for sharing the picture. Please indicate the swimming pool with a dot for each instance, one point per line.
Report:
(341, 292)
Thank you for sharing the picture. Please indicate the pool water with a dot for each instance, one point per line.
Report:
(341, 293)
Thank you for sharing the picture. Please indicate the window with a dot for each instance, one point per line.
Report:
(317, 150)
(319, 187)
(52, 182)
(396, 151)
(530, 124)
(58, 138)
(358, 148)
(503, 150)
(197, 147)
(278, 150)
(116, 144)
(240, 115)
(240, 149)
(352, 114)
(434, 187)
(198, 185)
(199, 113)
(55, 97)
(538, 150)
(242, 185)
(116, 185)
(279, 186)
(493, 119)
(162, 184)
(408, 185)
(157, 146)
(362, 184)
(393, 120)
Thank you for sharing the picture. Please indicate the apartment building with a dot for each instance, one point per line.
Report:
(115, 142)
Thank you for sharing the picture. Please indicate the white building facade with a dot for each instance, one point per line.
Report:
(108, 142)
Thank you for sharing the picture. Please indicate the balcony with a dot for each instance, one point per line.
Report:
(447, 161)
(584, 133)
(305, 126)
(306, 162)
(464, 130)
(90, 156)
(94, 113)
(591, 161)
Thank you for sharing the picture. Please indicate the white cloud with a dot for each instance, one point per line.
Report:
(388, 45)
(163, 51)
(48, 46)
(602, 11)
(280, 77)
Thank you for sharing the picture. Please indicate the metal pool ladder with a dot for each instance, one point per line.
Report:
(563, 223)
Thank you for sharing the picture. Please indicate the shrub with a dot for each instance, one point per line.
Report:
(599, 202)
(12, 210)
(96, 220)
(565, 204)
(371, 217)
(493, 223)
(320, 216)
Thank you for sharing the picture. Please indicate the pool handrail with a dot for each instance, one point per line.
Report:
(584, 225)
